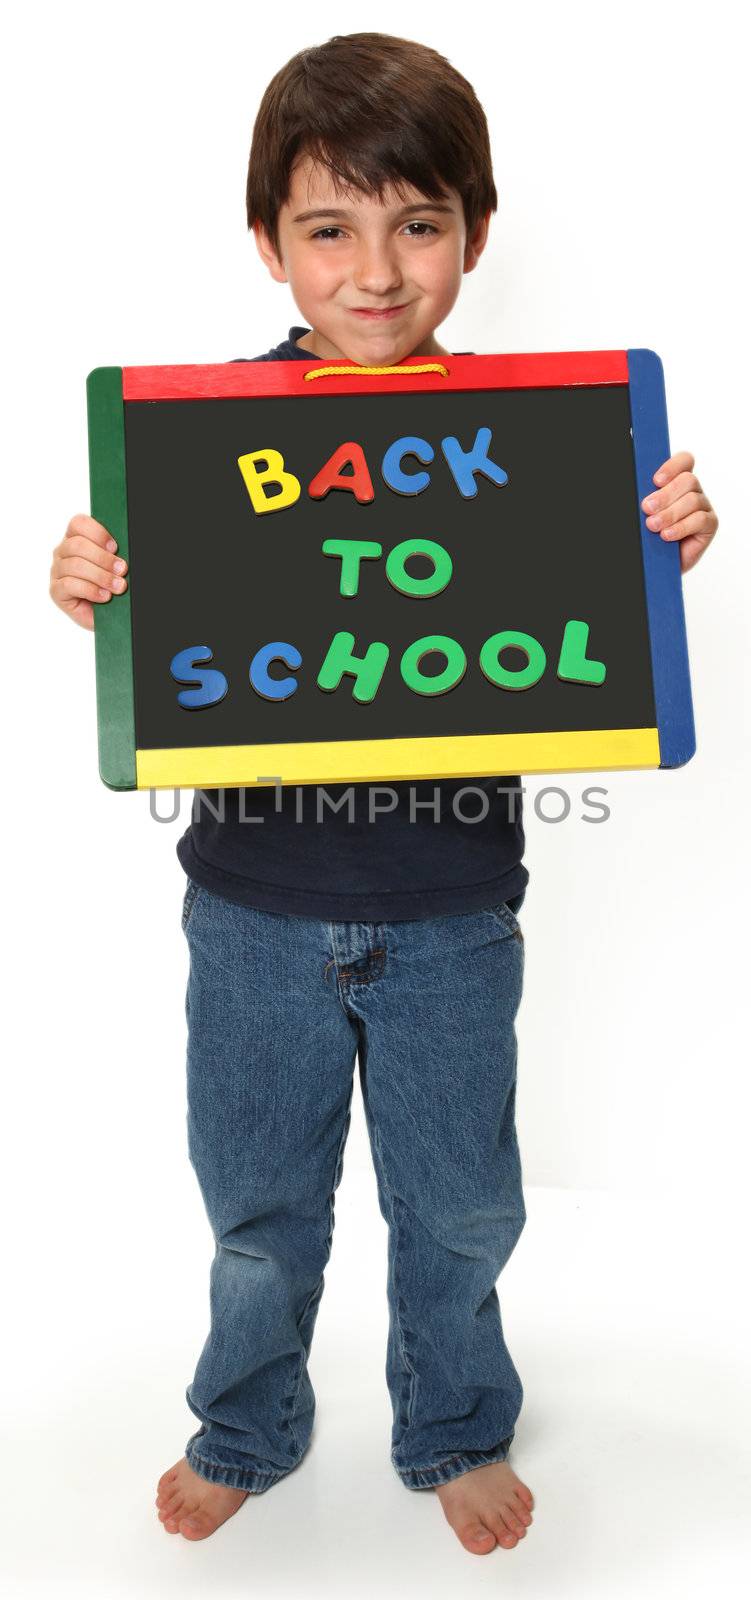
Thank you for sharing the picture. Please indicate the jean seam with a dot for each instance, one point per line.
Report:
(250, 1480)
(446, 1461)
(254, 1472)
(468, 1458)
(397, 1288)
(189, 900)
(317, 1291)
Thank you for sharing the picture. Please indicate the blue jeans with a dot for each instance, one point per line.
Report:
(279, 1007)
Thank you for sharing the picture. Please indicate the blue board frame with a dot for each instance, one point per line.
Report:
(662, 567)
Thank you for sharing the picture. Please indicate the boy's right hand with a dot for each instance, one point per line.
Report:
(86, 569)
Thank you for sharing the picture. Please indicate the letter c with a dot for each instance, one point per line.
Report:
(391, 466)
(274, 688)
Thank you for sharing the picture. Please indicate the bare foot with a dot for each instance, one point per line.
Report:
(487, 1506)
(192, 1506)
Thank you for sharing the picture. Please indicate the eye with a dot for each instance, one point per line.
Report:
(327, 234)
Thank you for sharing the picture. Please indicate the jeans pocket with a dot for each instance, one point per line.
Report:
(508, 920)
(189, 900)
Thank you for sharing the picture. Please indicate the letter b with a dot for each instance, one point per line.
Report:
(260, 467)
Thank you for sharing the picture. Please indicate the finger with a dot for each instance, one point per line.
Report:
(683, 461)
(678, 485)
(692, 549)
(703, 523)
(79, 544)
(78, 566)
(680, 505)
(91, 529)
(74, 588)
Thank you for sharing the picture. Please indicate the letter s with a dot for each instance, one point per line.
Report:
(211, 684)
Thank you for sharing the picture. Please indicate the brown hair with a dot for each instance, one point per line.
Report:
(374, 110)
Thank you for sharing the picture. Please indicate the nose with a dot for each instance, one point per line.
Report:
(376, 268)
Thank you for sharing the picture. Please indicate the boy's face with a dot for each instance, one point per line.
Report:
(356, 253)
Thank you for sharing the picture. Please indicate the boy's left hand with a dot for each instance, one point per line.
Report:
(679, 509)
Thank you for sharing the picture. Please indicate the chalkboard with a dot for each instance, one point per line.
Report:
(469, 529)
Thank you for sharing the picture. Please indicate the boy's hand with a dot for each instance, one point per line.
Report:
(85, 568)
(681, 509)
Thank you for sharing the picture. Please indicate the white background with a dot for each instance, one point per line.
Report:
(618, 137)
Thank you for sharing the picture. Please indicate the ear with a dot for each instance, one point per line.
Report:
(475, 246)
(268, 254)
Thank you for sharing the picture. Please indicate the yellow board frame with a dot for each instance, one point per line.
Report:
(378, 760)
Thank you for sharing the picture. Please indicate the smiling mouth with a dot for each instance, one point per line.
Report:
(377, 314)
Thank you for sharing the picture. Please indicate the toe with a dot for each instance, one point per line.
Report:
(521, 1508)
(506, 1537)
(198, 1525)
(513, 1522)
(476, 1537)
(172, 1508)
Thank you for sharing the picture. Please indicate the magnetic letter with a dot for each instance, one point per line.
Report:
(391, 467)
(573, 665)
(453, 672)
(260, 467)
(505, 677)
(274, 688)
(352, 552)
(419, 587)
(367, 670)
(211, 684)
(331, 477)
(465, 463)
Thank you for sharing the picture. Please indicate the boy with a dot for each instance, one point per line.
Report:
(392, 935)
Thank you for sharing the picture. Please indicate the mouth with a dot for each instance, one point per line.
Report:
(377, 316)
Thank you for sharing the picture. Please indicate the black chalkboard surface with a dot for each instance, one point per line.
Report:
(520, 478)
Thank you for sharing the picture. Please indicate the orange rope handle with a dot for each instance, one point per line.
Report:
(368, 372)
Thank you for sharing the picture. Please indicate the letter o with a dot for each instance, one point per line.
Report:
(402, 580)
(505, 677)
(453, 672)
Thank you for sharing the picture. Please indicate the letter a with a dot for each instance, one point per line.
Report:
(260, 467)
(331, 476)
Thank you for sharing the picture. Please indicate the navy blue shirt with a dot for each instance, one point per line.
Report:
(435, 851)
